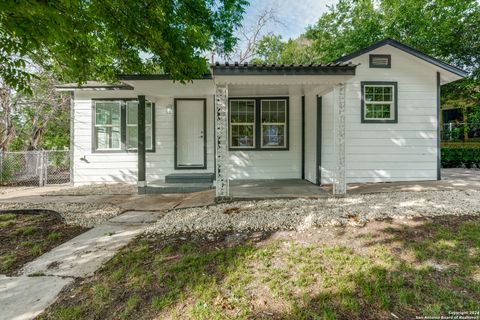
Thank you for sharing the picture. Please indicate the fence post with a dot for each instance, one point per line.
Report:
(45, 163)
(40, 174)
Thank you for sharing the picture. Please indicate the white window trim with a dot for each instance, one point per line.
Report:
(273, 124)
(242, 124)
(119, 102)
(391, 103)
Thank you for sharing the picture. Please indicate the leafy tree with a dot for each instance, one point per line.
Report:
(36, 121)
(7, 129)
(42, 118)
(97, 39)
(446, 29)
(272, 49)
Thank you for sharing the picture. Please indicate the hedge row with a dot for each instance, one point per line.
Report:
(461, 156)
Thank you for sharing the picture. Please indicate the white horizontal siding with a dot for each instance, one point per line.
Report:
(98, 167)
(272, 164)
(403, 151)
(122, 167)
(161, 163)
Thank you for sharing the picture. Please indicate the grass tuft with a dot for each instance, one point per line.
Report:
(7, 216)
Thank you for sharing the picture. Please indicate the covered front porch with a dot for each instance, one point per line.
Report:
(260, 129)
(294, 169)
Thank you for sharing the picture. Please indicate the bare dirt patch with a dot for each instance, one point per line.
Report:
(24, 237)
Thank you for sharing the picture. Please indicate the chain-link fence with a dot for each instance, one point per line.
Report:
(460, 132)
(34, 168)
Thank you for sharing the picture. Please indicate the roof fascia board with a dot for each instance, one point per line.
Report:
(255, 71)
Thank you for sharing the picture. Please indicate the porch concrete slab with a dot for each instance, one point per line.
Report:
(81, 256)
(275, 188)
(23, 298)
(137, 217)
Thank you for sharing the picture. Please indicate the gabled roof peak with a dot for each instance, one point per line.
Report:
(407, 49)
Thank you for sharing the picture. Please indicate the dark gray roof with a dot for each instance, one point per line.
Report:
(94, 85)
(407, 49)
(333, 68)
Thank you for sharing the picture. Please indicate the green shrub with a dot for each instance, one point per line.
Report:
(461, 155)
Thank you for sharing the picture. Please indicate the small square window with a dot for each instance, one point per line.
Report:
(379, 102)
(380, 61)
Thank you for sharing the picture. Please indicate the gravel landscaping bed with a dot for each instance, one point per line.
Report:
(302, 214)
(96, 189)
(75, 213)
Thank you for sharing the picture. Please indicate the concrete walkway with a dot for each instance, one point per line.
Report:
(40, 281)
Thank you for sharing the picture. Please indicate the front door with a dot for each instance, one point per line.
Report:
(190, 135)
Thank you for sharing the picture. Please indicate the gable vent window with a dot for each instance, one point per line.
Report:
(380, 61)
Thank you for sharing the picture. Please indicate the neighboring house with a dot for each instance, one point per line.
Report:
(371, 116)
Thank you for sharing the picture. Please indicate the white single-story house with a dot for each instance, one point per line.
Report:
(371, 116)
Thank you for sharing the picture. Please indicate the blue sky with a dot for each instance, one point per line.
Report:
(294, 14)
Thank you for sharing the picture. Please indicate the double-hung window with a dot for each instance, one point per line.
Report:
(108, 125)
(259, 123)
(379, 102)
(132, 125)
(116, 126)
(274, 123)
(242, 124)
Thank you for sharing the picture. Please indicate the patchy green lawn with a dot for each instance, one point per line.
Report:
(23, 237)
(385, 270)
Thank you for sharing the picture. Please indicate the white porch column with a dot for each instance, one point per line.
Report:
(340, 183)
(221, 144)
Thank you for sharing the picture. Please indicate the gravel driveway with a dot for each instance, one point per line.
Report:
(301, 214)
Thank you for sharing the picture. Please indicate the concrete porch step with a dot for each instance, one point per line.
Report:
(187, 178)
(177, 187)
